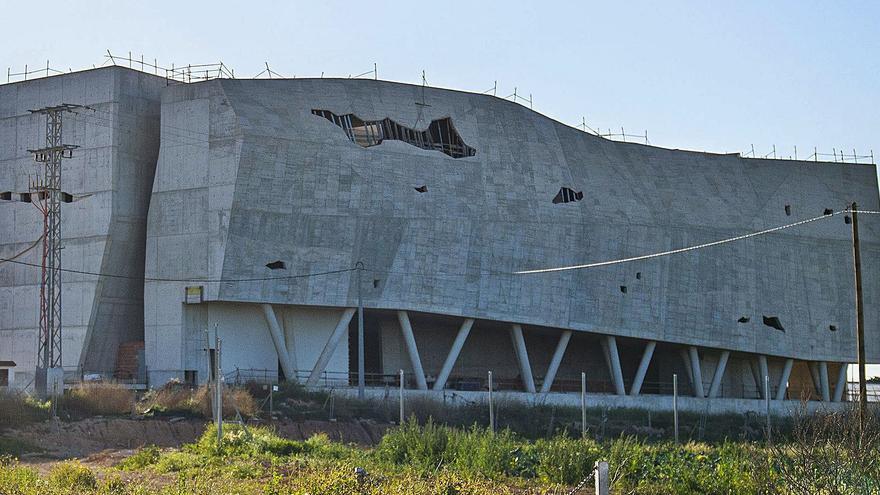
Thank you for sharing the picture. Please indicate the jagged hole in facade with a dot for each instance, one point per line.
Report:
(439, 136)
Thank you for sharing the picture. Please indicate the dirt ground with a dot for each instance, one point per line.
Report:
(104, 442)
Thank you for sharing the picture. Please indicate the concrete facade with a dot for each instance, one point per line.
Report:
(253, 172)
(442, 195)
(110, 176)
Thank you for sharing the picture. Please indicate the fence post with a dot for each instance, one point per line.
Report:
(583, 405)
(219, 389)
(767, 400)
(491, 407)
(600, 477)
(402, 417)
(675, 405)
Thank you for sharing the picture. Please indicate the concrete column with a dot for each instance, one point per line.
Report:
(412, 350)
(457, 344)
(643, 368)
(696, 372)
(719, 374)
(288, 362)
(823, 381)
(555, 361)
(840, 386)
(814, 374)
(522, 357)
(686, 359)
(614, 360)
(330, 347)
(764, 371)
(783, 380)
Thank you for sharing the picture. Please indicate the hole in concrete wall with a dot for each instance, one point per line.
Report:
(833, 328)
(24, 197)
(773, 322)
(623, 289)
(6, 195)
(788, 210)
(638, 275)
(66, 197)
(376, 283)
(567, 195)
(743, 319)
(422, 189)
(439, 136)
(828, 211)
(276, 265)
(847, 219)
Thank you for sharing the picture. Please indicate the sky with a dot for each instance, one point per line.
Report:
(699, 75)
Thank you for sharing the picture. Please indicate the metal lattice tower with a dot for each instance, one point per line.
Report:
(47, 191)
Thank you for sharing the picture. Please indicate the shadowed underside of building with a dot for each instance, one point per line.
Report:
(267, 193)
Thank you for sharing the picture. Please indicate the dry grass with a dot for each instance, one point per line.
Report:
(106, 399)
(174, 397)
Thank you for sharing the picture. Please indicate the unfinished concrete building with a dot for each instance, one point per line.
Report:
(267, 193)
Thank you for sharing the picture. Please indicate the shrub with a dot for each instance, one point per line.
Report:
(19, 409)
(88, 399)
(420, 447)
(144, 457)
(566, 460)
(73, 476)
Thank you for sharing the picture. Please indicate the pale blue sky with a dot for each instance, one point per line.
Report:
(699, 75)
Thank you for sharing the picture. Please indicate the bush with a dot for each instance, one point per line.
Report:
(89, 399)
(566, 460)
(422, 447)
(73, 476)
(144, 457)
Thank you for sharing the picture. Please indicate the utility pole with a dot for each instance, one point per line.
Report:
(218, 388)
(860, 318)
(49, 373)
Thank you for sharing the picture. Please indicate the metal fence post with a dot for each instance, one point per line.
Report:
(675, 405)
(767, 400)
(600, 477)
(491, 407)
(583, 405)
(402, 417)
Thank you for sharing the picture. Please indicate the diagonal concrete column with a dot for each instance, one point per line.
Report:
(840, 386)
(330, 346)
(814, 374)
(686, 359)
(412, 350)
(823, 381)
(719, 374)
(522, 357)
(288, 362)
(609, 342)
(643, 368)
(555, 361)
(783, 380)
(764, 371)
(696, 372)
(457, 344)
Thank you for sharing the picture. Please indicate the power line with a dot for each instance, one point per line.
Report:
(679, 250)
(156, 279)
